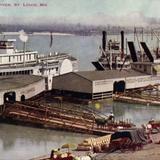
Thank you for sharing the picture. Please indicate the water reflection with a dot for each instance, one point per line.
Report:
(17, 142)
(138, 114)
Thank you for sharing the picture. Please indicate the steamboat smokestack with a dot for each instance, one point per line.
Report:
(104, 40)
(122, 44)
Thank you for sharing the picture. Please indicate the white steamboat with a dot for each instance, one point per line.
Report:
(22, 62)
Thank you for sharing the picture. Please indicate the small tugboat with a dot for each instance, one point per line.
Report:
(20, 62)
(112, 56)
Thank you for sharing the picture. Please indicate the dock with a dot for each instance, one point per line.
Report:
(148, 95)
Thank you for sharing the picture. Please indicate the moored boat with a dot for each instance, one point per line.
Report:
(20, 62)
(112, 55)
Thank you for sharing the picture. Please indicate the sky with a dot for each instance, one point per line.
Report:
(96, 12)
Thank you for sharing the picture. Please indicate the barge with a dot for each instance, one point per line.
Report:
(66, 118)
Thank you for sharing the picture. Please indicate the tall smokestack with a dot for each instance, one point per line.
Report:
(122, 44)
(104, 40)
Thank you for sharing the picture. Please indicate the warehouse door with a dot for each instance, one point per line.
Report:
(119, 87)
(23, 98)
(10, 97)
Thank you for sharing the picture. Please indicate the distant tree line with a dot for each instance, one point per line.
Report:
(78, 29)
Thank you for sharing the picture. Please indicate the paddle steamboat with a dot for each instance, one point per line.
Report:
(26, 62)
(112, 56)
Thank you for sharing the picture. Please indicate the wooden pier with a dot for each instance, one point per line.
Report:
(148, 95)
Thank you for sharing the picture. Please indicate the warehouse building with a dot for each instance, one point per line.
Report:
(100, 84)
(19, 88)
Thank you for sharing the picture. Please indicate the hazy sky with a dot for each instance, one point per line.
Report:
(123, 12)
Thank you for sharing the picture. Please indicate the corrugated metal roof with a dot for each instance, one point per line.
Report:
(109, 74)
(18, 81)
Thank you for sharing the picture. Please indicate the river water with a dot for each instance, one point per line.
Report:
(20, 143)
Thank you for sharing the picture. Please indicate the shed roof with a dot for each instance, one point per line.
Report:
(17, 81)
(109, 74)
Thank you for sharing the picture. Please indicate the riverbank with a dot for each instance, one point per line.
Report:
(149, 152)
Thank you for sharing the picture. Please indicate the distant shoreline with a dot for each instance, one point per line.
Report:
(53, 33)
(38, 33)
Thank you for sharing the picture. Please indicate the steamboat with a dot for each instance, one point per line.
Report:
(112, 55)
(26, 62)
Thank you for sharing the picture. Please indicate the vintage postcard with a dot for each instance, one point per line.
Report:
(79, 79)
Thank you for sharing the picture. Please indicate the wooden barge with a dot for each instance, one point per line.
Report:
(57, 117)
